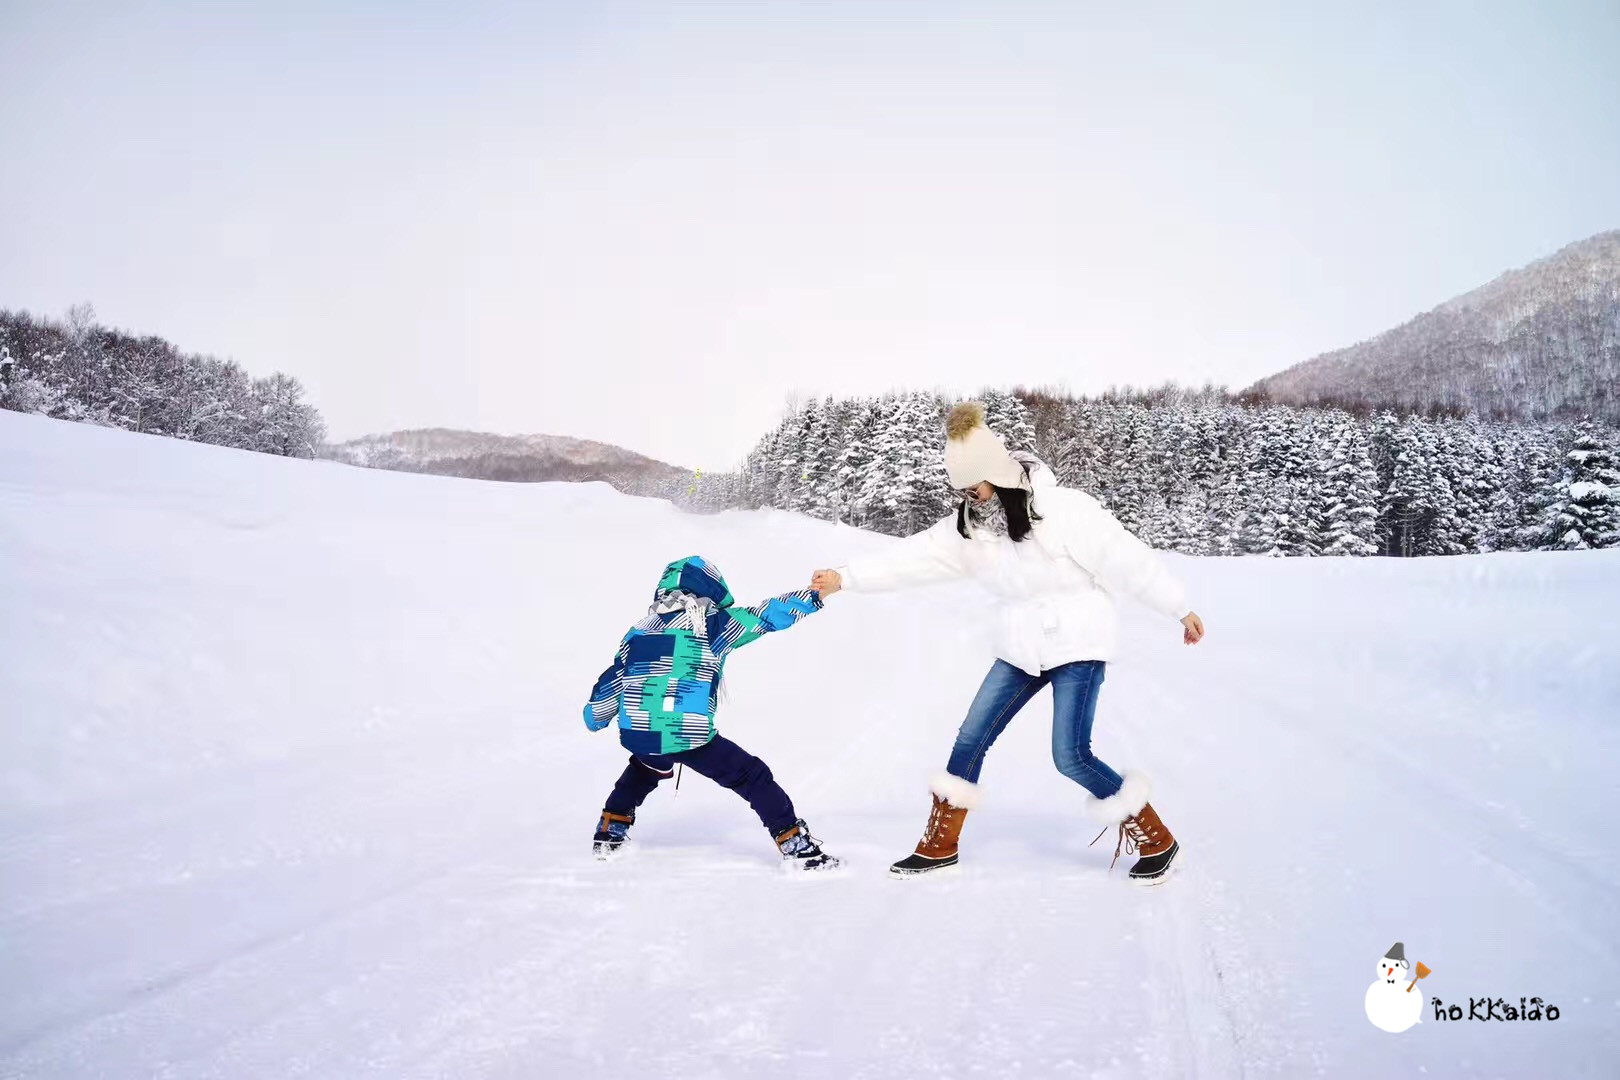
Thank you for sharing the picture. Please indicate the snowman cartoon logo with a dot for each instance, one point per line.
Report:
(1394, 1003)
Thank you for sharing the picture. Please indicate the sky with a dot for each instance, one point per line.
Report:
(657, 224)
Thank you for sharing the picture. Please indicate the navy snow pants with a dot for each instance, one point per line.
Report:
(722, 761)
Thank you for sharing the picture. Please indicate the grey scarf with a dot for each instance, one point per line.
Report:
(697, 608)
(989, 518)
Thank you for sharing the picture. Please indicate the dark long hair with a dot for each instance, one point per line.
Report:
(1020, 517)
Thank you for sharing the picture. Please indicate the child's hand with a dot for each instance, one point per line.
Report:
(826, 582)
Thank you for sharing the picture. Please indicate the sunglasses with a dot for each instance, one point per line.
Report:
(971, 494)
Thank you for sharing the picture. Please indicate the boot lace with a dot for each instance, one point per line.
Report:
(936, 822)
(1132, 837)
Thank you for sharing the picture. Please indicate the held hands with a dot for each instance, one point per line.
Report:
(1193, 628)
(826, 582)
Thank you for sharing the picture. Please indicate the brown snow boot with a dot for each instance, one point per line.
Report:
(937, 848)
(1145, 834)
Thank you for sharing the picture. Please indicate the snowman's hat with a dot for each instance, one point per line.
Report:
(1397, 953)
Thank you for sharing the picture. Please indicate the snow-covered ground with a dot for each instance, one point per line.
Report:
(293, 783)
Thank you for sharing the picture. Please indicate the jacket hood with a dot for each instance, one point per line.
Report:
(697, 576)
(1038, 481)
(1040, 477)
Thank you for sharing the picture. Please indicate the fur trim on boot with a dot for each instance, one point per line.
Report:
(1124, 803)
(960, 793)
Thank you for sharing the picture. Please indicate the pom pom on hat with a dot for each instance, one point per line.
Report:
(963, 418)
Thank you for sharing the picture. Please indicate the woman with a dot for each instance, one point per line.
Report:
(1056, 559)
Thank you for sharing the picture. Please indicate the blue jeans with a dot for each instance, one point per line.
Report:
(722, 761)
(1074, 704)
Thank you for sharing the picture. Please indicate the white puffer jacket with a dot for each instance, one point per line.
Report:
(1057, 586)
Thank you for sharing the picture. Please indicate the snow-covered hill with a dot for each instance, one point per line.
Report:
(483, 456)
(1542, 340)
(293, 783)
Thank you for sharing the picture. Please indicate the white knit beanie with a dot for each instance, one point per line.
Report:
(974, 453)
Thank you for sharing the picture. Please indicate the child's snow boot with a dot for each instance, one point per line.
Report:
(801, 851)
(937, 848)
(612, 835)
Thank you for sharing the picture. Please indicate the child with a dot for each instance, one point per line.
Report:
(663, 686)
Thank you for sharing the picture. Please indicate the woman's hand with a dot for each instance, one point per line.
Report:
(1193, 628)
(826, 582)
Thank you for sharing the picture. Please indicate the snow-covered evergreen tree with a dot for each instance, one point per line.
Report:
(1442, 532)
(758, 474)
(1535, 469)
(1074, 463)
(1475, 482)
(1584, 508)
(1412, 501)
(922, 486)
(1259, 532)
(877, 493)
(1124, 488)
(1227, 510)
(1348, 519)
(1188, 530)
(789, 459)
(818, 453)
(1005, 415)
(855, 459)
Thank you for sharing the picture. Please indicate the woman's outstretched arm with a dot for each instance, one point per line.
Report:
(935, 554)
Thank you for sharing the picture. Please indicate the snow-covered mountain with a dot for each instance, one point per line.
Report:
(293, 783)
(482, 456)
(1540, 341)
